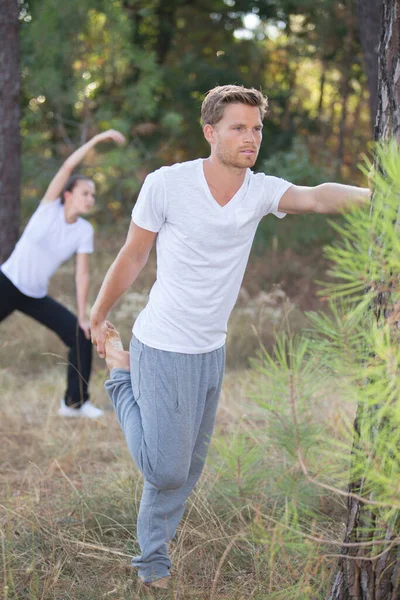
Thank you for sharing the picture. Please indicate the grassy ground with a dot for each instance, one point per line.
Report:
(70, 492)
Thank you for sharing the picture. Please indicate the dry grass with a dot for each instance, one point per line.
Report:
(70, 492)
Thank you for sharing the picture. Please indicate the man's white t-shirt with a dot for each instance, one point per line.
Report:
(202, 253)
(47, 241)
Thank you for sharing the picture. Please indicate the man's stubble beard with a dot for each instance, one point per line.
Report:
(232, 160)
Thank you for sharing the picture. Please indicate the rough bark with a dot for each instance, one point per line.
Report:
(377, 579)
(388, 111)
(9, 127)
(370, 17)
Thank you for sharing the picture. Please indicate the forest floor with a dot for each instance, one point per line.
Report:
(70, 491)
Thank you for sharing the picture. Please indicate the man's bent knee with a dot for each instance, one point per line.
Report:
(168, 479)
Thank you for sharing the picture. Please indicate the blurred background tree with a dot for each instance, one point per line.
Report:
(9, 127)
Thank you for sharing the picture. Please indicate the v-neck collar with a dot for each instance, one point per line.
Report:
(226, 207)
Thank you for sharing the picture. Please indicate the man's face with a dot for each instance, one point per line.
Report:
(236, 138)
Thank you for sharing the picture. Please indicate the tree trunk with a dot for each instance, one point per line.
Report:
(370, 17)
(322, 82)
(357, 578)
(345, 93)
(388, 110)
(166, 13)
(9, 127)
(345, 89)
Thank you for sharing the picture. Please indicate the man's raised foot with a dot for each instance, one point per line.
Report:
(116, 356)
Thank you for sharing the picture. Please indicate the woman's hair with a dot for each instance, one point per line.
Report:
(71, 183)
(218, 98)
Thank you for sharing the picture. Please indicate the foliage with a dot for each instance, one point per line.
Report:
(296, 165)
(300, 232)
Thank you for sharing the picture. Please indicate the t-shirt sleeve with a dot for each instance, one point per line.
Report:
(274, 188)
(86, 243)
(149, 210)
(53, 205)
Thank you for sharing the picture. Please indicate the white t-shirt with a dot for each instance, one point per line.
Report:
(202, 253)
(47, 241)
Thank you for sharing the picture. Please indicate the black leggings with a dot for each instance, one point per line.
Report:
(60, 320)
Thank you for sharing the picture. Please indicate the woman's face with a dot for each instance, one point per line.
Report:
(82, 198)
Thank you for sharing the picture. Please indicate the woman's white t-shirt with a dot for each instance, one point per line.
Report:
(202, 253)
(47, 241)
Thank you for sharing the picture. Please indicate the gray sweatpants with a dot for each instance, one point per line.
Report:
(166, 407)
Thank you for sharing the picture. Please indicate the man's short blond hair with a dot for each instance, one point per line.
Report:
(212, 109)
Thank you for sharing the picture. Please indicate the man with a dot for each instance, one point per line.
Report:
(204, 214)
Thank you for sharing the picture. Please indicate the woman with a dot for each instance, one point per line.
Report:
(54, 233)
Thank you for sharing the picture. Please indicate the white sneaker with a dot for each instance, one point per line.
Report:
(87, 410)
(90, 411)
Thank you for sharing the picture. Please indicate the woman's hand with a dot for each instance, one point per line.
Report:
(84, 324)
(110, 135)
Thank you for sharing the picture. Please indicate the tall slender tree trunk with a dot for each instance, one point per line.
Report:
(345, 93)
(358, 578)
(322, 81)
(345, 90)
(370, 18)
(166, 13)
(9, 127)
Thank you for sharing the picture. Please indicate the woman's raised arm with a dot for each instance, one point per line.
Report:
(60, 179)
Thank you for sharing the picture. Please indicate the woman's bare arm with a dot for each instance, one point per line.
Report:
(82, 280)
(60, 179)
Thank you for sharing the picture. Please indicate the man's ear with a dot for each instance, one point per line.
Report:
(209, 133)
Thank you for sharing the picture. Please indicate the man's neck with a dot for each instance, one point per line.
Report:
(223, 181)
(226, 176)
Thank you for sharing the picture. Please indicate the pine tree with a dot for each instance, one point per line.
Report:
(366, 574)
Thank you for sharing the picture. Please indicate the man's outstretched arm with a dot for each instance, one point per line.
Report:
(327, 198)
(120, 276)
